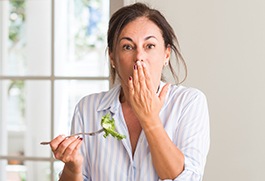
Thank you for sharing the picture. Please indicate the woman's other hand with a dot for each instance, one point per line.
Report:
(67, 150)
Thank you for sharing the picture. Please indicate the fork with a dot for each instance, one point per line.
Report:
(76, 134)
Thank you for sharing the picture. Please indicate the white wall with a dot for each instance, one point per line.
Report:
(223, 42)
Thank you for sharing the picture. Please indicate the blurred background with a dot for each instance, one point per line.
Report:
(53, 52)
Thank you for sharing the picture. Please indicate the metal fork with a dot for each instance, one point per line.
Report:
(76, 134)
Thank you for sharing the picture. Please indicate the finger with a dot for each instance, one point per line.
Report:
(147, 76)
(141, 76)
(56, 142)
(163, 92)
(77, 148)
(73, 149)
(59, 152)
(135, 77)
(130, 86)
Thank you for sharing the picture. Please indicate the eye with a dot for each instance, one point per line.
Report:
(150, 46)
(127, 47)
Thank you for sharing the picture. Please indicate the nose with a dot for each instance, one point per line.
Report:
(140, 55)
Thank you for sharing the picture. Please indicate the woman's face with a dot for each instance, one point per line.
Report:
(140, 40)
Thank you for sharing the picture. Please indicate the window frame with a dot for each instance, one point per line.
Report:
(51, 78)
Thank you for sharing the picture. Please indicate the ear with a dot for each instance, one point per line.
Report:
(111, 56)
(167, 53)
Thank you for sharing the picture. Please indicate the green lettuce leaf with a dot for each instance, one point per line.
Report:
(109, 127)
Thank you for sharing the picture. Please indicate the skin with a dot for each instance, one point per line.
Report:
(138, 60)
(67, 150)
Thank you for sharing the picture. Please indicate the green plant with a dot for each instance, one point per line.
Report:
(17, 19)
(20, 86)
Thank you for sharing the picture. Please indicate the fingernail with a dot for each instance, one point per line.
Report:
(80, 138)
(130, 78)
(135, 67)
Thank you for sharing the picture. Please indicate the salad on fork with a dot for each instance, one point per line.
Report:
(108, 126)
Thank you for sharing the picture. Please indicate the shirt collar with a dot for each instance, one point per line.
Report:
(110, 100)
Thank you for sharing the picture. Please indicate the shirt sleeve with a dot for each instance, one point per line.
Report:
(193, 136)
(186, 175)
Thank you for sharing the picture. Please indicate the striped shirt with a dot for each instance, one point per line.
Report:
(184, 116)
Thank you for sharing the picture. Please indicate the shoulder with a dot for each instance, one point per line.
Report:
(88, 99)
(182, 96)
(188, 102)
(101, 100)
(183, 92)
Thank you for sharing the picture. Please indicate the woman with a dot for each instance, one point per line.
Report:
(166, 126)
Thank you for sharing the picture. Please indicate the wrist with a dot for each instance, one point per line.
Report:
(150, 128)
(152, 124)
(72, 174)
(73, 168)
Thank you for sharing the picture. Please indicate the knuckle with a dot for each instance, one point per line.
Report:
(141, 78)
(69, 149)
(63, 145)
(57, 156)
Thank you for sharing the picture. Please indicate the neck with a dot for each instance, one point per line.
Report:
(122, 96)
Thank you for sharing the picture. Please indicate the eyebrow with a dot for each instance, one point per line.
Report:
(129, 39)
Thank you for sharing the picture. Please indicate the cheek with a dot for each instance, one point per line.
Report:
(124, 67)
(157, 62)
(155, 69)
(125, 60)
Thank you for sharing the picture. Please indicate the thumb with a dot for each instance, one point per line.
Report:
(163, 92)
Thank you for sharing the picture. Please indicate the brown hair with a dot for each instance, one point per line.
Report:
(129, 13)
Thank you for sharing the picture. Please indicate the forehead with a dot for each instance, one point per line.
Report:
(141, 27)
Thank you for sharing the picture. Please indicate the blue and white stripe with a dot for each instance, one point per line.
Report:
(185, 119)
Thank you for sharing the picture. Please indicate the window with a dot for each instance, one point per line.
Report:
(52, 54)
